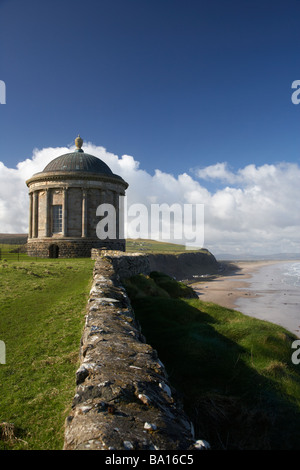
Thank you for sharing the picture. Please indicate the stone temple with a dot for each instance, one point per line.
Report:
(63, 202)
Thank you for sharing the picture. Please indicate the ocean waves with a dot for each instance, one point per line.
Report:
(291, 274)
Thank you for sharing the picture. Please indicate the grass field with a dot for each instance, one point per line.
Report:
(42, 306)
(233, 373)
(153, 246)
(12, 252)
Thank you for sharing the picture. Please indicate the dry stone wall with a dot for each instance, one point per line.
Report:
(123, 399)
(125, 264)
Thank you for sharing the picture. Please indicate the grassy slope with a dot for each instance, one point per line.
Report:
(153, 246)
(234, 373)
(41, 319)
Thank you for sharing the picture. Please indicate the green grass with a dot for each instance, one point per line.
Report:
(153, 246)
(7, 247)
(9, 252)
(157, 285)
(42, 306)
(233, 373)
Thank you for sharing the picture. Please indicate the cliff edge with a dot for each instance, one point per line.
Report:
(184, 266)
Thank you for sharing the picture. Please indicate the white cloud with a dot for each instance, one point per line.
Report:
(218, 171)
(257, 212)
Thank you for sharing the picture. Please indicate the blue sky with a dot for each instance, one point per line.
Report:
(201, 87)
(178, 84)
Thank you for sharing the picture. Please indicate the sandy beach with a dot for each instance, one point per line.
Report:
(222, 289)
(254, 288)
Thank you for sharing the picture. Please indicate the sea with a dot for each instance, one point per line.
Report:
(276, 290)
(291, 275)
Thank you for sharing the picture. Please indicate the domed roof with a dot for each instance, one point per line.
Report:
(77, 165)
(78, 161)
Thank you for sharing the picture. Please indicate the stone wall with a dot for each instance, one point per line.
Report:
(125, 264)
(123, 399)
(70, 248)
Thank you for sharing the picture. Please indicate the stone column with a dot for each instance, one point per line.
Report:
(65, 213)
(116, 206)
(35, 220)
(30, 216)
(47, 215)
(84, 213)
(121, 215)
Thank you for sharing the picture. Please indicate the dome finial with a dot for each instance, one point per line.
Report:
(78, 142)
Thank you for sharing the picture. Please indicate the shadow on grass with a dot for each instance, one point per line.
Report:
(230, 404)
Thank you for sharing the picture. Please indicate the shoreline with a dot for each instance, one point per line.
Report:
(272, 300)
(227, 287)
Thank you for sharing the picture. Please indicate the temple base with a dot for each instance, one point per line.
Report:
(70, 248)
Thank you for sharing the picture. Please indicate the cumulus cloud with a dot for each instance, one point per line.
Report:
(255, 210)
(218, 171)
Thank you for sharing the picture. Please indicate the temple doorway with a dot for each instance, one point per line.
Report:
(53, 251)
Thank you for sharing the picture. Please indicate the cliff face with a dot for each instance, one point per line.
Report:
(185, 265)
